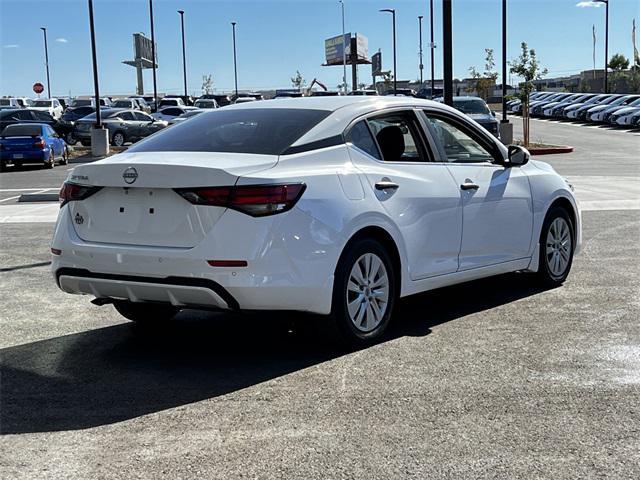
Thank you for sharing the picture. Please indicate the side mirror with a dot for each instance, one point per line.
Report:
(518, 156)
(493, 113)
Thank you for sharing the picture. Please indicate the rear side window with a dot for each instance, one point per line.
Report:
(22, 131)
(266, 131)
(360, 136)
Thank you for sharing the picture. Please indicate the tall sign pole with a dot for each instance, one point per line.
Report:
(447, 50)
(96, 89)
(153, 54)
(184, 55)
(235, 63)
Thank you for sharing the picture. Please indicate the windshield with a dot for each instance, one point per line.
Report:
(81, 103)
(42, 103)
(629, 101)
(471, 106)
(22, 131)
(121, 104)
(266, 131)
(5, 101)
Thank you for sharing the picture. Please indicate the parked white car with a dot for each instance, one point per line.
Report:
(52, 106)
(169, 113)
(13, 102)
(332, 205)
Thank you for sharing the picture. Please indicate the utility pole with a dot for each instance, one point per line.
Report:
(447, 47)
(392, 11)
(421, 66)
(504, 61)
(46, 60)
(606, 44)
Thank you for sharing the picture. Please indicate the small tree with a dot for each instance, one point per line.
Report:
(619, 75)
(207, 84)
(618, 63)
(298, 80)
(484, 83)
(526, 66)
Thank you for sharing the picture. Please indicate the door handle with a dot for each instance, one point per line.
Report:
(386, 185)
(469, 185)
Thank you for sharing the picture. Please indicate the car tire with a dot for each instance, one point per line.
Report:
(65, 156)
(364, 294)
(118, 139)
(146, 313)
(70, 139)
(557, 244)
(51, 162)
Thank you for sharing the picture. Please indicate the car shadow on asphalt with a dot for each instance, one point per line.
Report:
(121, 372)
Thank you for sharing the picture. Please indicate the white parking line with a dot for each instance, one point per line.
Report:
(44, 189)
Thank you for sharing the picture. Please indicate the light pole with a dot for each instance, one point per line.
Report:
(344, 53)
(433, 47)
(235, 63)
(46, 60)
(392, 11)
(421, 66)
(504, 61)
(153, 54)
(447, 50)
(184, 56)
(606, 43)
(96, 89)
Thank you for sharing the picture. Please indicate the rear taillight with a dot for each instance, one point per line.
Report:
(71, 192)
(254, 200)
(39, 143)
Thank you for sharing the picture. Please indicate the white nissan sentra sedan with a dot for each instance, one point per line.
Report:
(331, 205)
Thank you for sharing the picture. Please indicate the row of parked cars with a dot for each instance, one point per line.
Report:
(614, 109)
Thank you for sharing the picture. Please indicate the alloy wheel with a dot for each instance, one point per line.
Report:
(367, 292)
(558, 247)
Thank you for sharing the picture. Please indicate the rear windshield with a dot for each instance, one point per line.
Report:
(82, 103)
(105, 114)
(267, 131)
(121, 104)
(22, 131)
(5, 101)
(42, 103)
(471, 106)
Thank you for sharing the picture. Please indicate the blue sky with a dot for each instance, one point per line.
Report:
(277, 37)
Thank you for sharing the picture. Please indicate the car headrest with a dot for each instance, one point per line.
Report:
(391, 141)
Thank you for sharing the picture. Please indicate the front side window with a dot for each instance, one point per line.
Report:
(268, 131)
(142, 117)
(126, 116)
(455, 145)
(360, 136)
(397, 136)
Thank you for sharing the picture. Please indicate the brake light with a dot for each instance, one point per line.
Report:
(71, 192)
(39, 143)
(254, 200)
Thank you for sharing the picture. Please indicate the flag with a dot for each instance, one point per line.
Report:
(636, 55)
(594, 51)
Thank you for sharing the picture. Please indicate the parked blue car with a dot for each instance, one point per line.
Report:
(31, 143)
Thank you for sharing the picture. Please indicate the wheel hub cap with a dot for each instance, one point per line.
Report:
(558, 247)
(367, 292)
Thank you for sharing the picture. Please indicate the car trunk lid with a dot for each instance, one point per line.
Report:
(138, 205)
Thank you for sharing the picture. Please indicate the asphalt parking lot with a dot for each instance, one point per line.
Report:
(491, 379)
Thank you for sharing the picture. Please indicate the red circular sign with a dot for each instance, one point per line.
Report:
(38, 88)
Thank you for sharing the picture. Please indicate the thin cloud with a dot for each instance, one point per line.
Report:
(589, 4)
(13, 45)
(62, 40)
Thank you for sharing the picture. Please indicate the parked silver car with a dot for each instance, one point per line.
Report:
(124, 126)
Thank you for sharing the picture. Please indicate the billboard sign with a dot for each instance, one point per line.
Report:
(142, 50)
(335, 46)
(376, 64)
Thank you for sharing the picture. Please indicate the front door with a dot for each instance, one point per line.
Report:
(496, 200)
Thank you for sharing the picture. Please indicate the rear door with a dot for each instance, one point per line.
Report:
(419, 196)
(497, 206)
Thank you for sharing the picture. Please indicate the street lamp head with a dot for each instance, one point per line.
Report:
(44, 29)
(420, 17)
(390, 10)
(181, 12)
(600, 1)
(234, 23)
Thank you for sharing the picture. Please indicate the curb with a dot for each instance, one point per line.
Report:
(38, 197)
(550, 150)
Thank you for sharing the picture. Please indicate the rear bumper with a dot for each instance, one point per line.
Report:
(178, 291)
(37, 156)
(291, 260)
